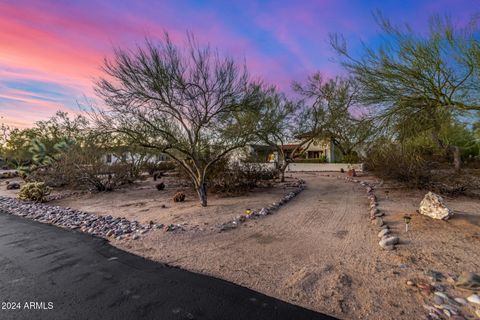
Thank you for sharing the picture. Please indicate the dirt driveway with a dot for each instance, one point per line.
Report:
(318, 251)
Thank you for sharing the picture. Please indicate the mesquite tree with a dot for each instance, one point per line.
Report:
(418, 82)
(188, 102)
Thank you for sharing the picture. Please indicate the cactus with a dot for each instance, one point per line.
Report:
(179, 197)
(34, 191)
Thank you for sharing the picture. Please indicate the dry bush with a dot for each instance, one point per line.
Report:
(237, 178)
(179, 197)
(161, 166)
(101, 177)
(391, 161)
(85, 168)
(419, 165)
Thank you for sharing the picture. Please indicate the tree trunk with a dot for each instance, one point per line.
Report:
(455, 150)
(202, 193)
(281, 171)
(457, 160)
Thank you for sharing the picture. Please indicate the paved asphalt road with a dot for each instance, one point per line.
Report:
(83, 277)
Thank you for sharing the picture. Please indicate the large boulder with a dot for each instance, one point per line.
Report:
(433, 206)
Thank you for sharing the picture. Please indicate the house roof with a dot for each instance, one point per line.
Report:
(290, 146)
(262, 147)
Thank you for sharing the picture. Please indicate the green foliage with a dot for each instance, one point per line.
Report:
(327, 112)
(462, 135)
(189, 102)
(34, 191)
(417, 83)
(39, 146)
(351, 158)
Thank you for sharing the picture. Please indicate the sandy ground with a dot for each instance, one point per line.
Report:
(318, 251)
(144, 203)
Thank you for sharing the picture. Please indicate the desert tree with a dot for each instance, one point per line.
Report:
(418, 82)
(283, 122)
(331, 104)
(277, 123)
(188, 102)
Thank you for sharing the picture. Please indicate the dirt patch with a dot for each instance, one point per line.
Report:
(319, 250)
(144, 203)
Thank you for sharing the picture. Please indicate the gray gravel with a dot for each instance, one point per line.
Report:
(102, 226)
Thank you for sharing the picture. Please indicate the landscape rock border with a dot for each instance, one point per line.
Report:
(299, 186)
(100, 226)
(388, 241)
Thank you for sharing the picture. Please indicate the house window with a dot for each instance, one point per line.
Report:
(108, 158)
(161, 157)
(313, 154)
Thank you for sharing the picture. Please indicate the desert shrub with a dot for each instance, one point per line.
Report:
(160, 186)
(179, 197)
(83, 167)
(351, 158)
(161, 166)
(239, 177)
(234, 178)
(406, 164)
(34, 191)
(102, 177)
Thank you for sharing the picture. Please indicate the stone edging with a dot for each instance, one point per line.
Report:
(100, 226)
(387, 240)
(299, 187)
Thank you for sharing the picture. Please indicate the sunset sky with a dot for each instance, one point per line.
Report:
(50, 51)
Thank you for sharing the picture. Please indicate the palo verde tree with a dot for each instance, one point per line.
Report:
(188, 102)
(418, 82)
(282, 121)
(277, 122)
(329, 106)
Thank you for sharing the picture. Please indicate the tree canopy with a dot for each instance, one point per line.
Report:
(418, 82)
(188, 102)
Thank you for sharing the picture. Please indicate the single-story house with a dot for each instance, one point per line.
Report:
(318, 149)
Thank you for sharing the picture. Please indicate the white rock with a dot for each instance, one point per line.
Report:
(388, 241)
(433, 206)
(264, 212)
(441, 295)
(461, 301)
(383, 233)
(474, 299)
